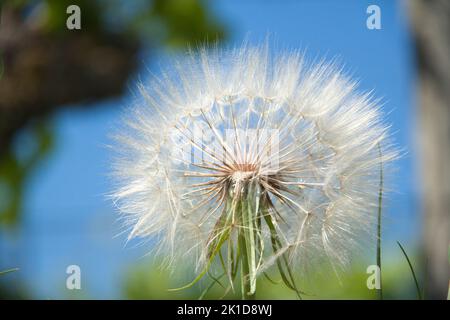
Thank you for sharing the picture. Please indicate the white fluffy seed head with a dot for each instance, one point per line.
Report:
(221, 121)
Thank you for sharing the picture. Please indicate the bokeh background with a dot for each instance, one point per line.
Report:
(62, 94)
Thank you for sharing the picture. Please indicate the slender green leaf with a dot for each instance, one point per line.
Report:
(270, 279)
(276, 245)
(419, 293)
(223, 238)
(8, 271)
(207, 289)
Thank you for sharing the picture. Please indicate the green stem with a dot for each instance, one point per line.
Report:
(419, 293)
(380, 204)
(247, 213)
(245, 272)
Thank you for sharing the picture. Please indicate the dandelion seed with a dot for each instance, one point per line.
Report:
(263, 159)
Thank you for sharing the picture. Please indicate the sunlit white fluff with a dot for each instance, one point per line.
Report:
(331, 144)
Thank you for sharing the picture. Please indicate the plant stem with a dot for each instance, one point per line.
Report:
(380, 204)
(245, 273)
(419, 293)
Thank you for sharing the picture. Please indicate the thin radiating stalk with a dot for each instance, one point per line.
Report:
(380, 205)
(419, 293)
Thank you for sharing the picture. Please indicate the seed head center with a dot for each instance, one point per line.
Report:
(244, 172)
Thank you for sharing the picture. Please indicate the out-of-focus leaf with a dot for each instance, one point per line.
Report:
(56, 15)
(179, 22)
(8, 271)
(14, 171)
(149, 281)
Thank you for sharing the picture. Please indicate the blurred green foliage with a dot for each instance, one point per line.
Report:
(55, 16)
(181, 22)
(149, 281)
(15, 166)
(168, 22)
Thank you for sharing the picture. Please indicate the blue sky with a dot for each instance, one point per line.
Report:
(68, 220)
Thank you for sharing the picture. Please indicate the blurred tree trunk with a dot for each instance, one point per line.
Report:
(431, 22)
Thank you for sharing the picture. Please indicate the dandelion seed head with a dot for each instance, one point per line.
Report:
(294, 137)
